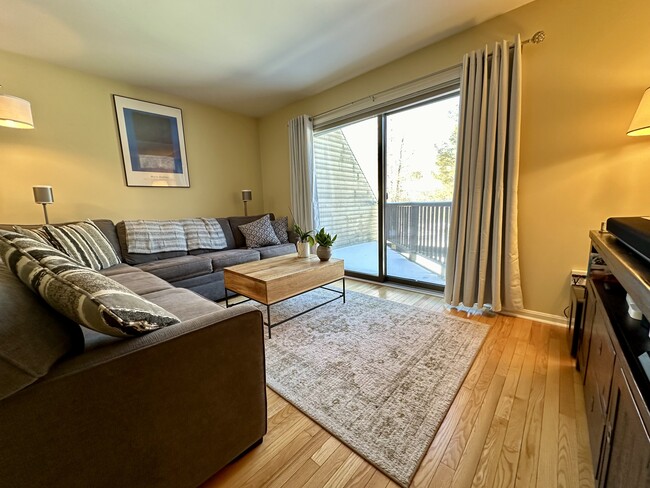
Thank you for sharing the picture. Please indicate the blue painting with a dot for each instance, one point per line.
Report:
(153, 146)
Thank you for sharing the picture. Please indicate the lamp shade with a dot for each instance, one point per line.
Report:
(43, 194)
(247, 195)
(15, 112)
(640, 125)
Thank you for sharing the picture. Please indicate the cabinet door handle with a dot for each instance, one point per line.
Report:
(592, 404)
(600, 349)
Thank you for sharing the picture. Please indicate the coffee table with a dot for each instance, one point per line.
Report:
(273, 280)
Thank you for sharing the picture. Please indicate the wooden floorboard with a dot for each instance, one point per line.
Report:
(517, 421)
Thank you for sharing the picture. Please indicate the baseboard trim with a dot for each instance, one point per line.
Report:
(543, 317)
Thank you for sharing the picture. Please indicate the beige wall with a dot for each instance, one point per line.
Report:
(75, 148)
(581, 88)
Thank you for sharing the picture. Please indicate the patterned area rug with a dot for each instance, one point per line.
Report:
(378, 375)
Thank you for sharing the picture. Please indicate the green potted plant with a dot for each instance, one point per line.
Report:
(305, 241)
(325, 242)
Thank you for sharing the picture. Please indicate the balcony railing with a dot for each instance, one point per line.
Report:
(419, 228)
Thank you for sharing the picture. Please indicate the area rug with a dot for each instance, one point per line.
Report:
(378, 375)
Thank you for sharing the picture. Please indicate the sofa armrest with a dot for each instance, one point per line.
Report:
(167, 409)
(121, 347)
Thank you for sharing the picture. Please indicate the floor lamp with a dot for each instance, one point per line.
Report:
(15, 112)
(246, 196)
(44, 196)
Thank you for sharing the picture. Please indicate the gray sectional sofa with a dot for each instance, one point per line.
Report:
(166, 409)
(200, 271)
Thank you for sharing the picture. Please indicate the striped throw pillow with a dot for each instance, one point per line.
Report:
(84, 243)
(80, 293)
(37, 233)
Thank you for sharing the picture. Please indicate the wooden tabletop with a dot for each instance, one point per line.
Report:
(275, 279)
(281, 267)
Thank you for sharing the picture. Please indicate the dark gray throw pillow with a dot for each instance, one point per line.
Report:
(80, 293)
(259, 233)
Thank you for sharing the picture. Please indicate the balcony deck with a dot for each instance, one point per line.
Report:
(362, 258)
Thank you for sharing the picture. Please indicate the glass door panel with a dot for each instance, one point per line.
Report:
(420, 169)
(346, 165)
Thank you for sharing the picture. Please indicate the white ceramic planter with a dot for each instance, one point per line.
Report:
(303, 249)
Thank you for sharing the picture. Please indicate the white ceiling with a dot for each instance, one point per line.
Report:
(248, 56)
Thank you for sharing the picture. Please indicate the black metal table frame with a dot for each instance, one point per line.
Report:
(340, 294)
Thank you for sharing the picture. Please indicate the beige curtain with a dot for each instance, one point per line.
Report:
(304, 201)
(483, 256)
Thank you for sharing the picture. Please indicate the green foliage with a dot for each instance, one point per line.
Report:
(446, 168)
(304, 236)
(324, 239)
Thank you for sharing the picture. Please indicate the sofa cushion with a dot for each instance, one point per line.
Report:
(81, 294)
(141, 282)
(32, 335)
(208, 286)
(84, 243)
(179, 268)
(223, 259)
(281, 229)
(185, 304)
(259, 233)
(279, 250)
(137, 258)
(120, 269)
(235, 222)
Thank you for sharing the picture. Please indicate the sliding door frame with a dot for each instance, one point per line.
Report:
(382, 276)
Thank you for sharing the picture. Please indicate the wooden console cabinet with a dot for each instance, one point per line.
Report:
(616, 387)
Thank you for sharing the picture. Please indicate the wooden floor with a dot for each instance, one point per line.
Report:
(517, 421)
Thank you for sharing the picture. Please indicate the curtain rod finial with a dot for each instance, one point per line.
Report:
(538, 37)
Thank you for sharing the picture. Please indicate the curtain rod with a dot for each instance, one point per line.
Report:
(537, 38)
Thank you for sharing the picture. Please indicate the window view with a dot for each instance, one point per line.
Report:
(420, 169)
(419, 163)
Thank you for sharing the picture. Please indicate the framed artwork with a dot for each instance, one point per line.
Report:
(153, 144)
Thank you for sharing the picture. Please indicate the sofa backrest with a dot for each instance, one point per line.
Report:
(235, 222)
(138, 258)
(108, 229)
(32, 335)
(106, 226)
(227, 232)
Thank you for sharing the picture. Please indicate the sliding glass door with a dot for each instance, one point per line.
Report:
(420, 168)
(384, 185)
(347, 193)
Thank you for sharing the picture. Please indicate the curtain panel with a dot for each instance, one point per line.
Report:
(483, 256)
(304, 198)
